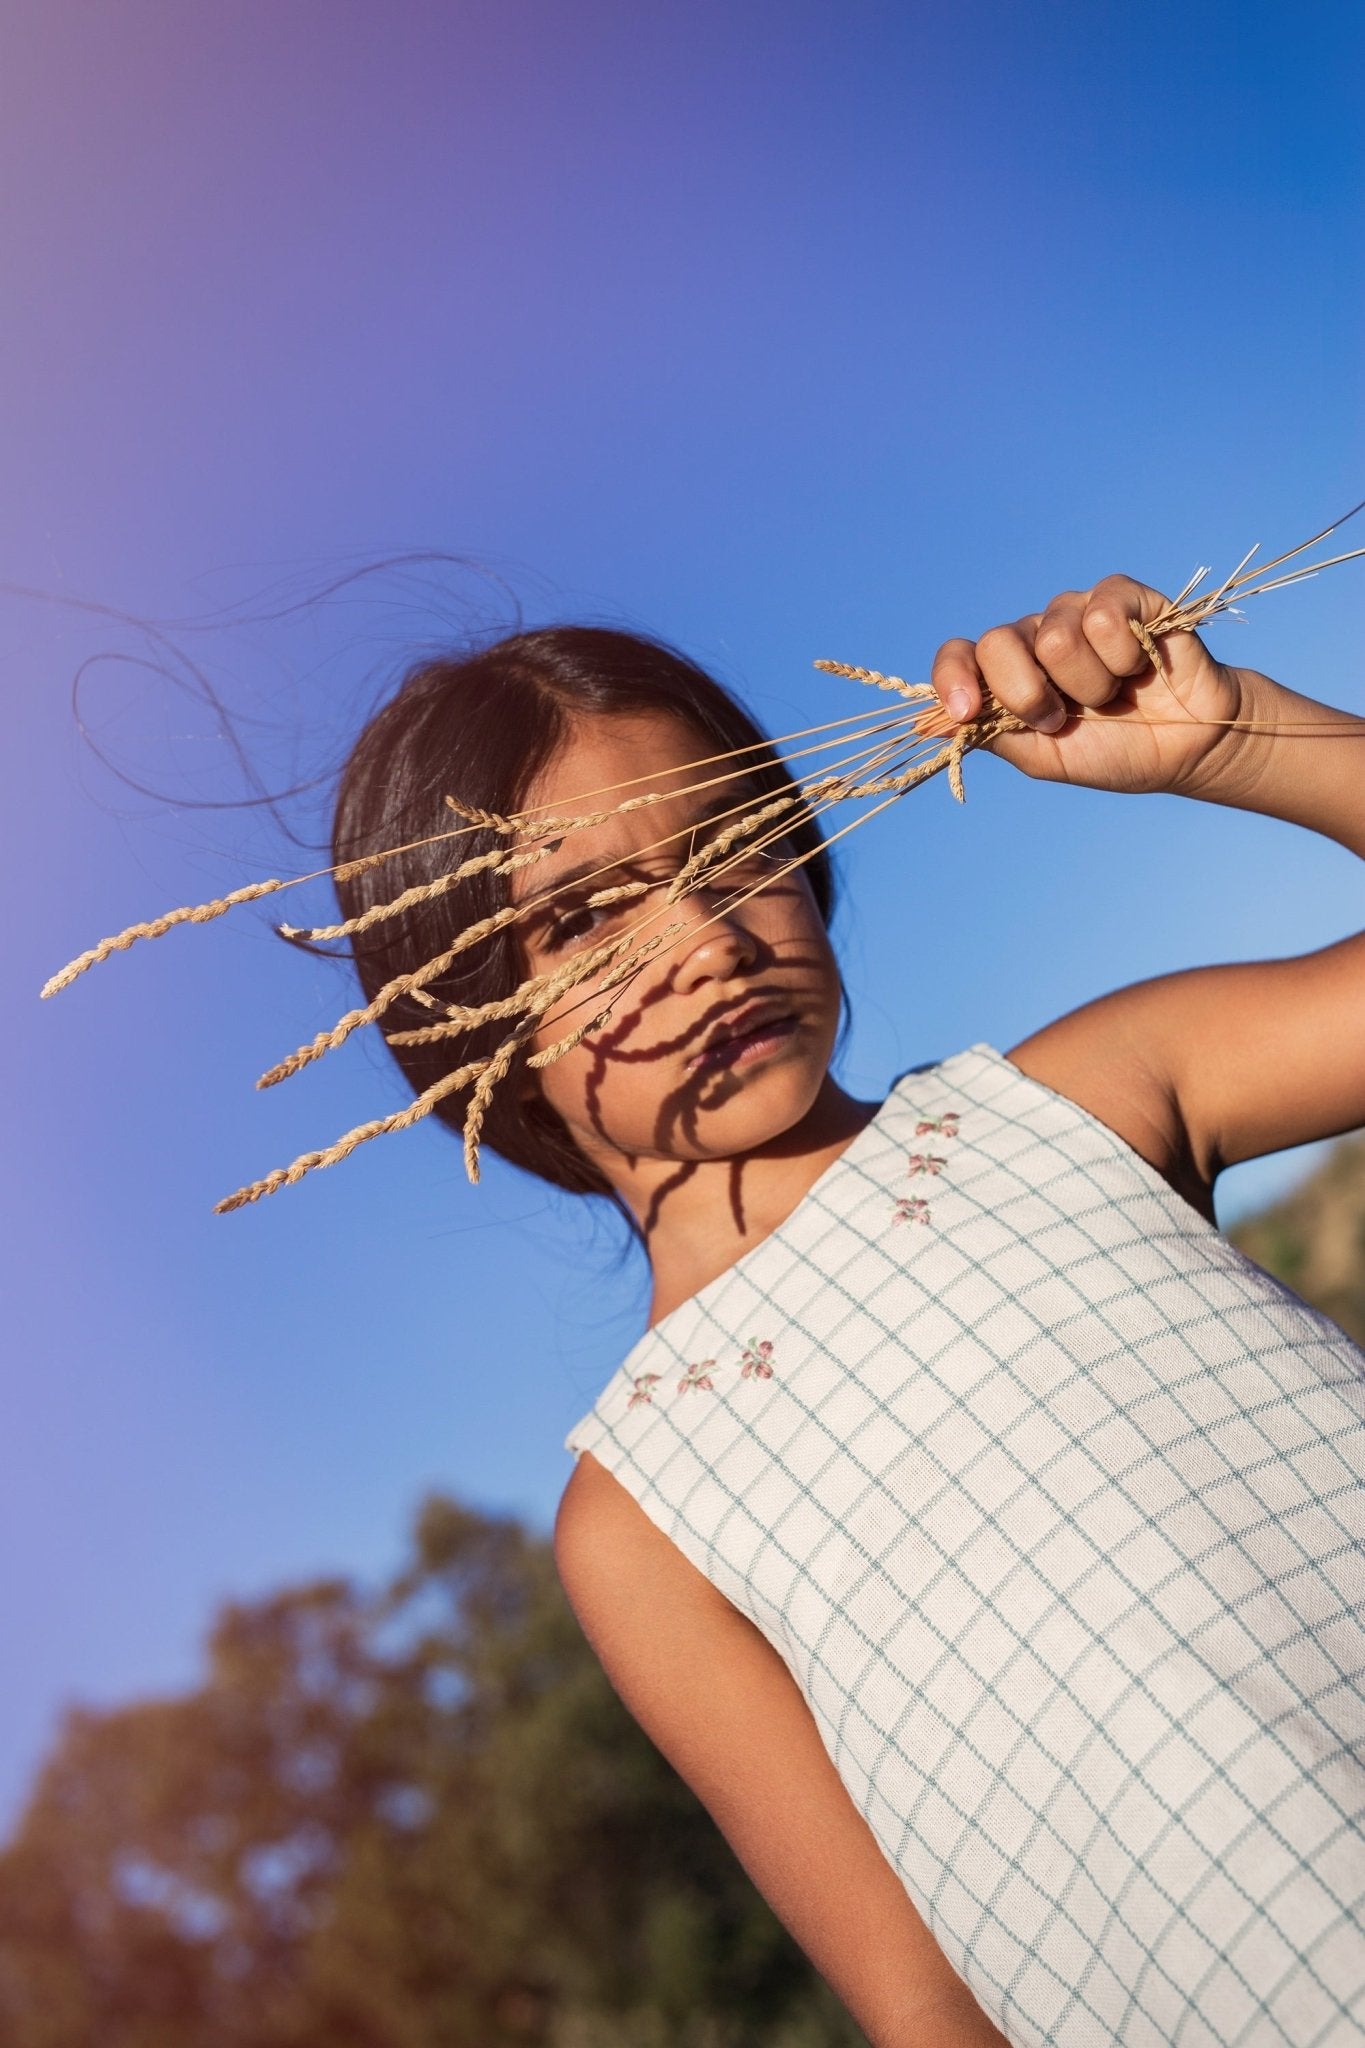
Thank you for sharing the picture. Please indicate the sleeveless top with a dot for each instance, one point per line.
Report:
(1053, 1504)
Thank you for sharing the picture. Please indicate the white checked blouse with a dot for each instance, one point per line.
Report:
(1054, 1505)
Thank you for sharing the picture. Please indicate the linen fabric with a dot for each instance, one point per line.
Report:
(1053, 1504)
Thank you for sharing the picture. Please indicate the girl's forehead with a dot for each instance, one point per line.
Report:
(607, 761)
(603, 749)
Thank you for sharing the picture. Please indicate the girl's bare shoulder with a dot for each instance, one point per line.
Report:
(1103, 1058)
(1211, 1065)
(600, 1528)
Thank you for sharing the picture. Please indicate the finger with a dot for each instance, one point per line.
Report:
(1106, 622)
(957, 679)
(1062, 650)
(1005, 658)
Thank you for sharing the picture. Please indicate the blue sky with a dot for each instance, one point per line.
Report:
(780, 331)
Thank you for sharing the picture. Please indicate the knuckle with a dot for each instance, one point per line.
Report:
(1055, 639)
(995, 640)
(1108, 617)
(1031, 698)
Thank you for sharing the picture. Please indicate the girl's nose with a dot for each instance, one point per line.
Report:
(714, 949)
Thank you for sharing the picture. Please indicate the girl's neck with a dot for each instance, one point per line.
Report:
(700, 1217)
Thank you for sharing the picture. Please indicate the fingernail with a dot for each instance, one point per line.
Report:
(959, 703)
(1051, 721)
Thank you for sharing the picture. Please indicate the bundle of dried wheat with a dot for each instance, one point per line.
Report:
(882, 757)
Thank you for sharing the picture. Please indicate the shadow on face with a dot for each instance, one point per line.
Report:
(648, 1096)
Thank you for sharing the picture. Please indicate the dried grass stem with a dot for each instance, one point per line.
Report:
(905, 749)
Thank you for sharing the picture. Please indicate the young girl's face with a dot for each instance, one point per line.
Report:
(721, 1044)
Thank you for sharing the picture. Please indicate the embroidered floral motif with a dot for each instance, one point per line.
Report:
(756, 1362)
(926, 1165)
(945, 1125)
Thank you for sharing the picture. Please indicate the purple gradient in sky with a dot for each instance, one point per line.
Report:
(781, 331)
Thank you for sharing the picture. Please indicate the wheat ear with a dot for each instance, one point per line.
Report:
(308, 1162)
(205, 913)
(1187, 612)
(907, 750)
(195, 913)
(499, 860)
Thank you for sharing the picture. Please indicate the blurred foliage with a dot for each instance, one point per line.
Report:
(1314, 1240)
(420, 1817)
(416, 1818)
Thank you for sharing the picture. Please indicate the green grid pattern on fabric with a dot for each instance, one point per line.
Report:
(1054, 1506)
(1002, 1675)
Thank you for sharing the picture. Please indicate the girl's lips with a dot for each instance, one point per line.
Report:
(750, 1045)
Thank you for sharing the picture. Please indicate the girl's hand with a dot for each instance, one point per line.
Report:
(1081, 651)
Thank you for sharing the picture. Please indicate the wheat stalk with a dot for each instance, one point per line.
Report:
(907, 747)
(403, 1120)
(195, 913)
(1186, 613)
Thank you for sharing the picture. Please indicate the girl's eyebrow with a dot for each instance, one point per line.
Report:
(538, 884)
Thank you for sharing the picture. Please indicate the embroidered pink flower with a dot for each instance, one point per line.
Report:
(757, 1360)
(945, 1125)
(644, 1384)
(699, 1376)
(925, 1162)
(911, 1209)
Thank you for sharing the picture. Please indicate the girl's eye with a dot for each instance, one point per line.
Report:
(573, 924)
(579, 921)
(738, 870)
(760, 863)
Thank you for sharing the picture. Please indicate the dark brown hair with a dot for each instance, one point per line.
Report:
(481, 727)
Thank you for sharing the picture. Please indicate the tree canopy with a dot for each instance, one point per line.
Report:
(414, 1817)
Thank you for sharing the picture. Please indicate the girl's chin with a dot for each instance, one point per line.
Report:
(745, 1109)
(715, 1113)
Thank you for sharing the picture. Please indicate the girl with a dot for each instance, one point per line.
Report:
(977, 1532)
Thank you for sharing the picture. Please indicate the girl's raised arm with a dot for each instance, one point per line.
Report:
(1201, 1069)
